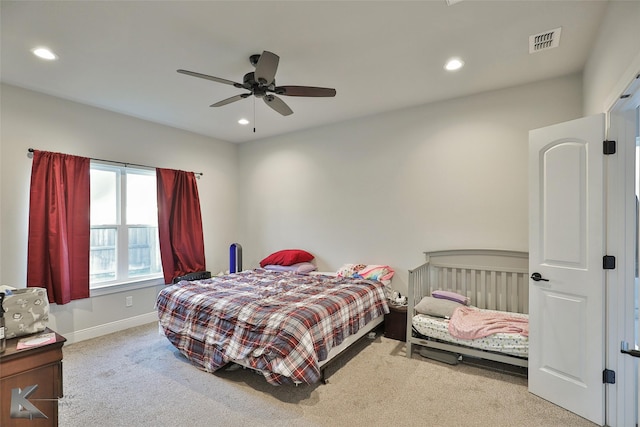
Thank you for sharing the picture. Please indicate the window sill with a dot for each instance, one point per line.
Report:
(126, 286)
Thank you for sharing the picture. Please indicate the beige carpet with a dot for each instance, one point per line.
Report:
(136, 378)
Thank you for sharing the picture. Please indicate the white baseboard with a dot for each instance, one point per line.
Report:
(109, 328)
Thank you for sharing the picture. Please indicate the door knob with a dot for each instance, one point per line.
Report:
(537, 277)
(625, 350)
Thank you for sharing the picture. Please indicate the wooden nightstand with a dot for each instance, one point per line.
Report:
(20, 369)
(395, 323)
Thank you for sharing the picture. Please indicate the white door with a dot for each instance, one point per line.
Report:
(566, 241)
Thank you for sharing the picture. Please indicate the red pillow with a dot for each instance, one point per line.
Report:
(287, 257)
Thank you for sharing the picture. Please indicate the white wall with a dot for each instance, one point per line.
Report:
(31, 119)
(383, 189)
(615, 58)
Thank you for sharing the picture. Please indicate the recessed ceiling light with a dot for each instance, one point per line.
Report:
(454, 64)
(243, 121)
(44, 53)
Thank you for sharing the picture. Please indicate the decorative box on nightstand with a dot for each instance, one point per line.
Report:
(395, 323)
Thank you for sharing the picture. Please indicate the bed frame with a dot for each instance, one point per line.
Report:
(335, 352)
(492, 279)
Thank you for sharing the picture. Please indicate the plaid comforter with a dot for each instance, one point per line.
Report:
(281, 324)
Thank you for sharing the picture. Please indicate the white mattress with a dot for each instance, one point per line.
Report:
(438, 328)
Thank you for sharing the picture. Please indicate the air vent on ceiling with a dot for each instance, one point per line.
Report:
(544, 41)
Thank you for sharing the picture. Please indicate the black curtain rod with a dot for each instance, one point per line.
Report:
(199, 174)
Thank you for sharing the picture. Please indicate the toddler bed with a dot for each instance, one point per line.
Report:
(286, 325)
(471, 302)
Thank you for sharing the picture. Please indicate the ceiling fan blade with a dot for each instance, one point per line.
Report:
(266, 68)
(215, 79)
(278, 105)
(304, 91)
(230, 100)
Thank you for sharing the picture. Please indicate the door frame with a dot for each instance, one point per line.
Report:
(621, 403)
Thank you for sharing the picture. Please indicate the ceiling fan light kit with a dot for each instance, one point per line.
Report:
(261, 83)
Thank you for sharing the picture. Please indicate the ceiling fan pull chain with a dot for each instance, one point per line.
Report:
(254, 114)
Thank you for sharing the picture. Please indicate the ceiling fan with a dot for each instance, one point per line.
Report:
(262, 84)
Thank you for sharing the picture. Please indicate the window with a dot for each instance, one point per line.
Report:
(124, 226)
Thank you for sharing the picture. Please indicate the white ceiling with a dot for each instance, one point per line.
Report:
(378, 55)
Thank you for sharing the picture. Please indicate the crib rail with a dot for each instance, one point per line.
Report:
(504, 289)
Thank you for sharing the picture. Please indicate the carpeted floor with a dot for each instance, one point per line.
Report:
(137, 378)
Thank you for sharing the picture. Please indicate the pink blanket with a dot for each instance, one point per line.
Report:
(470, 323)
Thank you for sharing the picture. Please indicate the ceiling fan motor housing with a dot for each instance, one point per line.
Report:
(255, 87)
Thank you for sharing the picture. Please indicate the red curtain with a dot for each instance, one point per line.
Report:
(179, 224)
(59, 226)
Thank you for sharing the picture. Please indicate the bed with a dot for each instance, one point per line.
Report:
(494, 285)
(285, 325)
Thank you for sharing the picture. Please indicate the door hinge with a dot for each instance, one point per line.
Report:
(609, 147)
(609, 262)
(608, 376)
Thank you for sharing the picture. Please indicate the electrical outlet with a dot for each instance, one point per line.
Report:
(129, 301)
